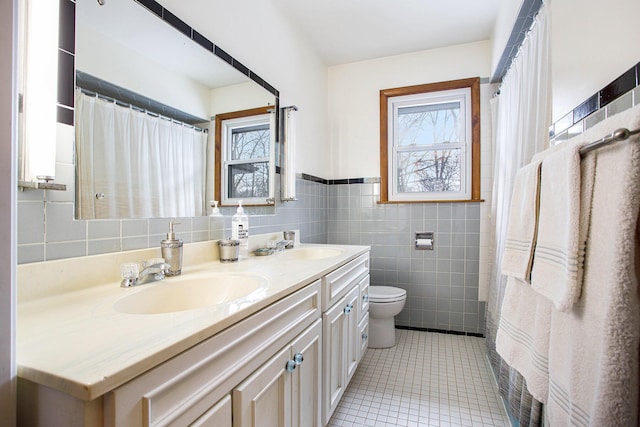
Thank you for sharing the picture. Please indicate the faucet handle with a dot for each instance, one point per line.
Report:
(153, 261)
(130, 270)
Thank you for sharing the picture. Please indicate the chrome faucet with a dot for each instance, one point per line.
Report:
(153, 271)
(282, 244)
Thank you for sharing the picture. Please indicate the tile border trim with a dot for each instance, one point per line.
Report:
(441, 331)
(582, 117)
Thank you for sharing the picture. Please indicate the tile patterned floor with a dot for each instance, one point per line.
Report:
(427, 379)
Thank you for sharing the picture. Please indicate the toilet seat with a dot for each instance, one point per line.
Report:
(383, 294)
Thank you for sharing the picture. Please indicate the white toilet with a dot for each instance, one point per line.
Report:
(384, 303)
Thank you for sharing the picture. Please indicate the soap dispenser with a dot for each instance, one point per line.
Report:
(171, 249)
(215, 210)
(240, 226)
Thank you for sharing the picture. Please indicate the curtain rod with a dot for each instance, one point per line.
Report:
(619, 135)
(140, 109)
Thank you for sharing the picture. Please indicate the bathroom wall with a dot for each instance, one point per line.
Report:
(47, 230)
(446, 288)
(592, 43)
(258, 35)
(8, 183)
(442, 284)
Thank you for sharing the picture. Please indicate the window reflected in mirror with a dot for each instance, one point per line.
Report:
(244, 156)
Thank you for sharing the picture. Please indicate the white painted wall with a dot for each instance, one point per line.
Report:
(257, 35)
(239, 97)
(592, 43)
(8, 185)
(354, 99)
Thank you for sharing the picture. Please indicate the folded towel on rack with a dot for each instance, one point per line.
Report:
(559, 252)
(594, 349)
(523, 223)
(522, 339)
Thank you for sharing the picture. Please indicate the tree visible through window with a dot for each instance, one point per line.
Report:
(248, 165)
(430, 142)
(243, 157)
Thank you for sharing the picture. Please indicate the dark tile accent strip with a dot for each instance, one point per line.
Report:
(623, 84)
(271, 89)
(440, 331)
(203, 41)
(314, 179)
(256, 79)
(244, 70)
(618, 87)
(184, 28)
(307, 177)
(67, 26)
(65, 115)
(153, 6)
(176, 22)
(66, 63)
(586, 108)
(223, 55)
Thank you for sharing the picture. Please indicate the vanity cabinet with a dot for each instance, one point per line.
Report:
(342, 323)
(287, 364)
(217, 416)
(194, 386)
(285, 391)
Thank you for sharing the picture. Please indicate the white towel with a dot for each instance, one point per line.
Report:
(522, 339)
(594, 349)
(523, 223)
(559, 251)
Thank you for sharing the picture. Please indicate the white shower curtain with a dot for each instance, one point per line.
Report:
(523, 111)
(145, 166)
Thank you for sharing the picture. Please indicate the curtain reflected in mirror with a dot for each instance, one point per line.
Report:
(135, 165)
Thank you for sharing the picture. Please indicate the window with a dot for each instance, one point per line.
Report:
(244, 157)
(430, 142)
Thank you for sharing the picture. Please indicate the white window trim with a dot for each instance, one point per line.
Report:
(464, 96)
(227, 128)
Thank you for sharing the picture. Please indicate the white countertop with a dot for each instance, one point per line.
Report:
(70, 337)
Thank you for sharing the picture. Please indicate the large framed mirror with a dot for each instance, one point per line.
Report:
(147, 74)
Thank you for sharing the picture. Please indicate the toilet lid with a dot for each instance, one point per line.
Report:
(386, 294)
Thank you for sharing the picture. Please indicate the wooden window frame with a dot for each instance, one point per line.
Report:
(219, 119)
(386, 94)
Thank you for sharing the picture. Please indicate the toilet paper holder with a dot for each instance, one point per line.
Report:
(424, 241)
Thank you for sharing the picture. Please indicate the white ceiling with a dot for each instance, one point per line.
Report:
(345, 31)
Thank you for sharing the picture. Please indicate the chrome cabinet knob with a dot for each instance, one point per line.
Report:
(364, 336)
(291, 366)
(298, 358)
(347, 309)
(365, 297)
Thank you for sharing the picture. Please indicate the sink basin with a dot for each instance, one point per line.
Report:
(190, 292)
(311, 253)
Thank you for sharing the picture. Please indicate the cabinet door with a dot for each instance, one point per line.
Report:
(218, 416)
(264, 398)
(307, 377)
(364, 335)
(364, 297)
(352, 332)
(334, 366)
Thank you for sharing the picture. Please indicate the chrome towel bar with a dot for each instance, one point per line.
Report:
(619, 135)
